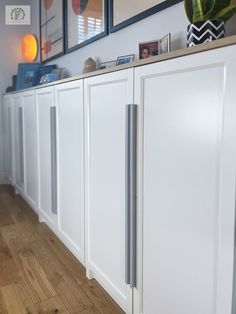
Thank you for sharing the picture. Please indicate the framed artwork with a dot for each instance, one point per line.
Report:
(27, 75)
(51, 29)
(124, 13)
(86, 21)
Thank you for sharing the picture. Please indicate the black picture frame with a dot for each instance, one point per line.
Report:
(91, 40)
(63, 34)
(159, 7)
(27, 75)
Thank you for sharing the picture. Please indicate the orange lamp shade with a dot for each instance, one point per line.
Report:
(29, 47)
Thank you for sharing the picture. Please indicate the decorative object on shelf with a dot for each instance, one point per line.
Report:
(124, 13)
(27, 75)
(125, 59)
(165, 44)
(45, 69)
(17, 14)
(207, 20)
(106, 65)
(86, 21)
(148, 49)
(29, 47)
(51, 29)
(54, 75)
(90, 65)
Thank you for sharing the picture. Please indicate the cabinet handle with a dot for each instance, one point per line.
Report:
(21, 144)
(53, 159)
(127, 196)
(131, 195)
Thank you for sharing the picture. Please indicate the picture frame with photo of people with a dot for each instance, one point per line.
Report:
(154, 48)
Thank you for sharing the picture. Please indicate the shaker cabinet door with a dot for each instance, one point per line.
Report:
(19, 179)
(106, 97)
(47, 186)
(30, 147)
(187, 183)
(70, 108)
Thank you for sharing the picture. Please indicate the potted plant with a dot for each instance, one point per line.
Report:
(207, 18)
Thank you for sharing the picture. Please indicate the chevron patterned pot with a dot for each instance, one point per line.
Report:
(205, 31)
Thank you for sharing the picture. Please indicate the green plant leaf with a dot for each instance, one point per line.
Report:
(226, 13)
(218, 5)
(208, 6)
(198, 13)
(189, 9)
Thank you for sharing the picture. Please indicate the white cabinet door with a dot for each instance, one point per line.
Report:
(46, 116)
(70, 110)
(106, 97)
(30, 147)
(9, 136)
(186, 223)
(19, 179)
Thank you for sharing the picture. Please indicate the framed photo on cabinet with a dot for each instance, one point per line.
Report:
(86, 21)
(126, 12)
(51, 29)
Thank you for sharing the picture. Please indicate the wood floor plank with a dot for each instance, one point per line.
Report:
(96, 293)
(33, 274)
(72, 295)
(5, 216)
(90, 310)
(52, 306)
(13, 303)
(8, 269)
(38, 270)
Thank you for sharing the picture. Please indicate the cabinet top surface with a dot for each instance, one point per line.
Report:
(228, 41)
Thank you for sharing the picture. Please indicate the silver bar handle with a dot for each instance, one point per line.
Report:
(127, 196)
(133, 194)
(53, 158)
(21, 144)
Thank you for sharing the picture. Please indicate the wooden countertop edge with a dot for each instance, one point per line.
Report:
(227, 41)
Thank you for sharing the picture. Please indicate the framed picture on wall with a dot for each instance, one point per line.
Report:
(51, 29)
(86, 21)
(126, 12)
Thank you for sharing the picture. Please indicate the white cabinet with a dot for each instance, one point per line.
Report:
(106, 97)
(187, 184)
(9, 136)
(30, 147)
(19, 179)
(152, 221)
(47, 186)
(70, 111)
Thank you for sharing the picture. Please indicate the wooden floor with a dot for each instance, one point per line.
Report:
(37, 273)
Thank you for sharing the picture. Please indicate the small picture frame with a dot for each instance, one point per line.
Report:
(27, 75)
(148, 49)
(55, 75)
(165, 43)
(125, 59)
(154, 48)
(45, 69)
(106, 65)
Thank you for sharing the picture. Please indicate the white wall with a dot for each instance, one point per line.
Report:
(172, 20)
(10, 52)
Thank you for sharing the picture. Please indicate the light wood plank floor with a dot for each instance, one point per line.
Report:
(37, 273)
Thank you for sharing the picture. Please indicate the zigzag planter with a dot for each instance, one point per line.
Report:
(205, 31)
